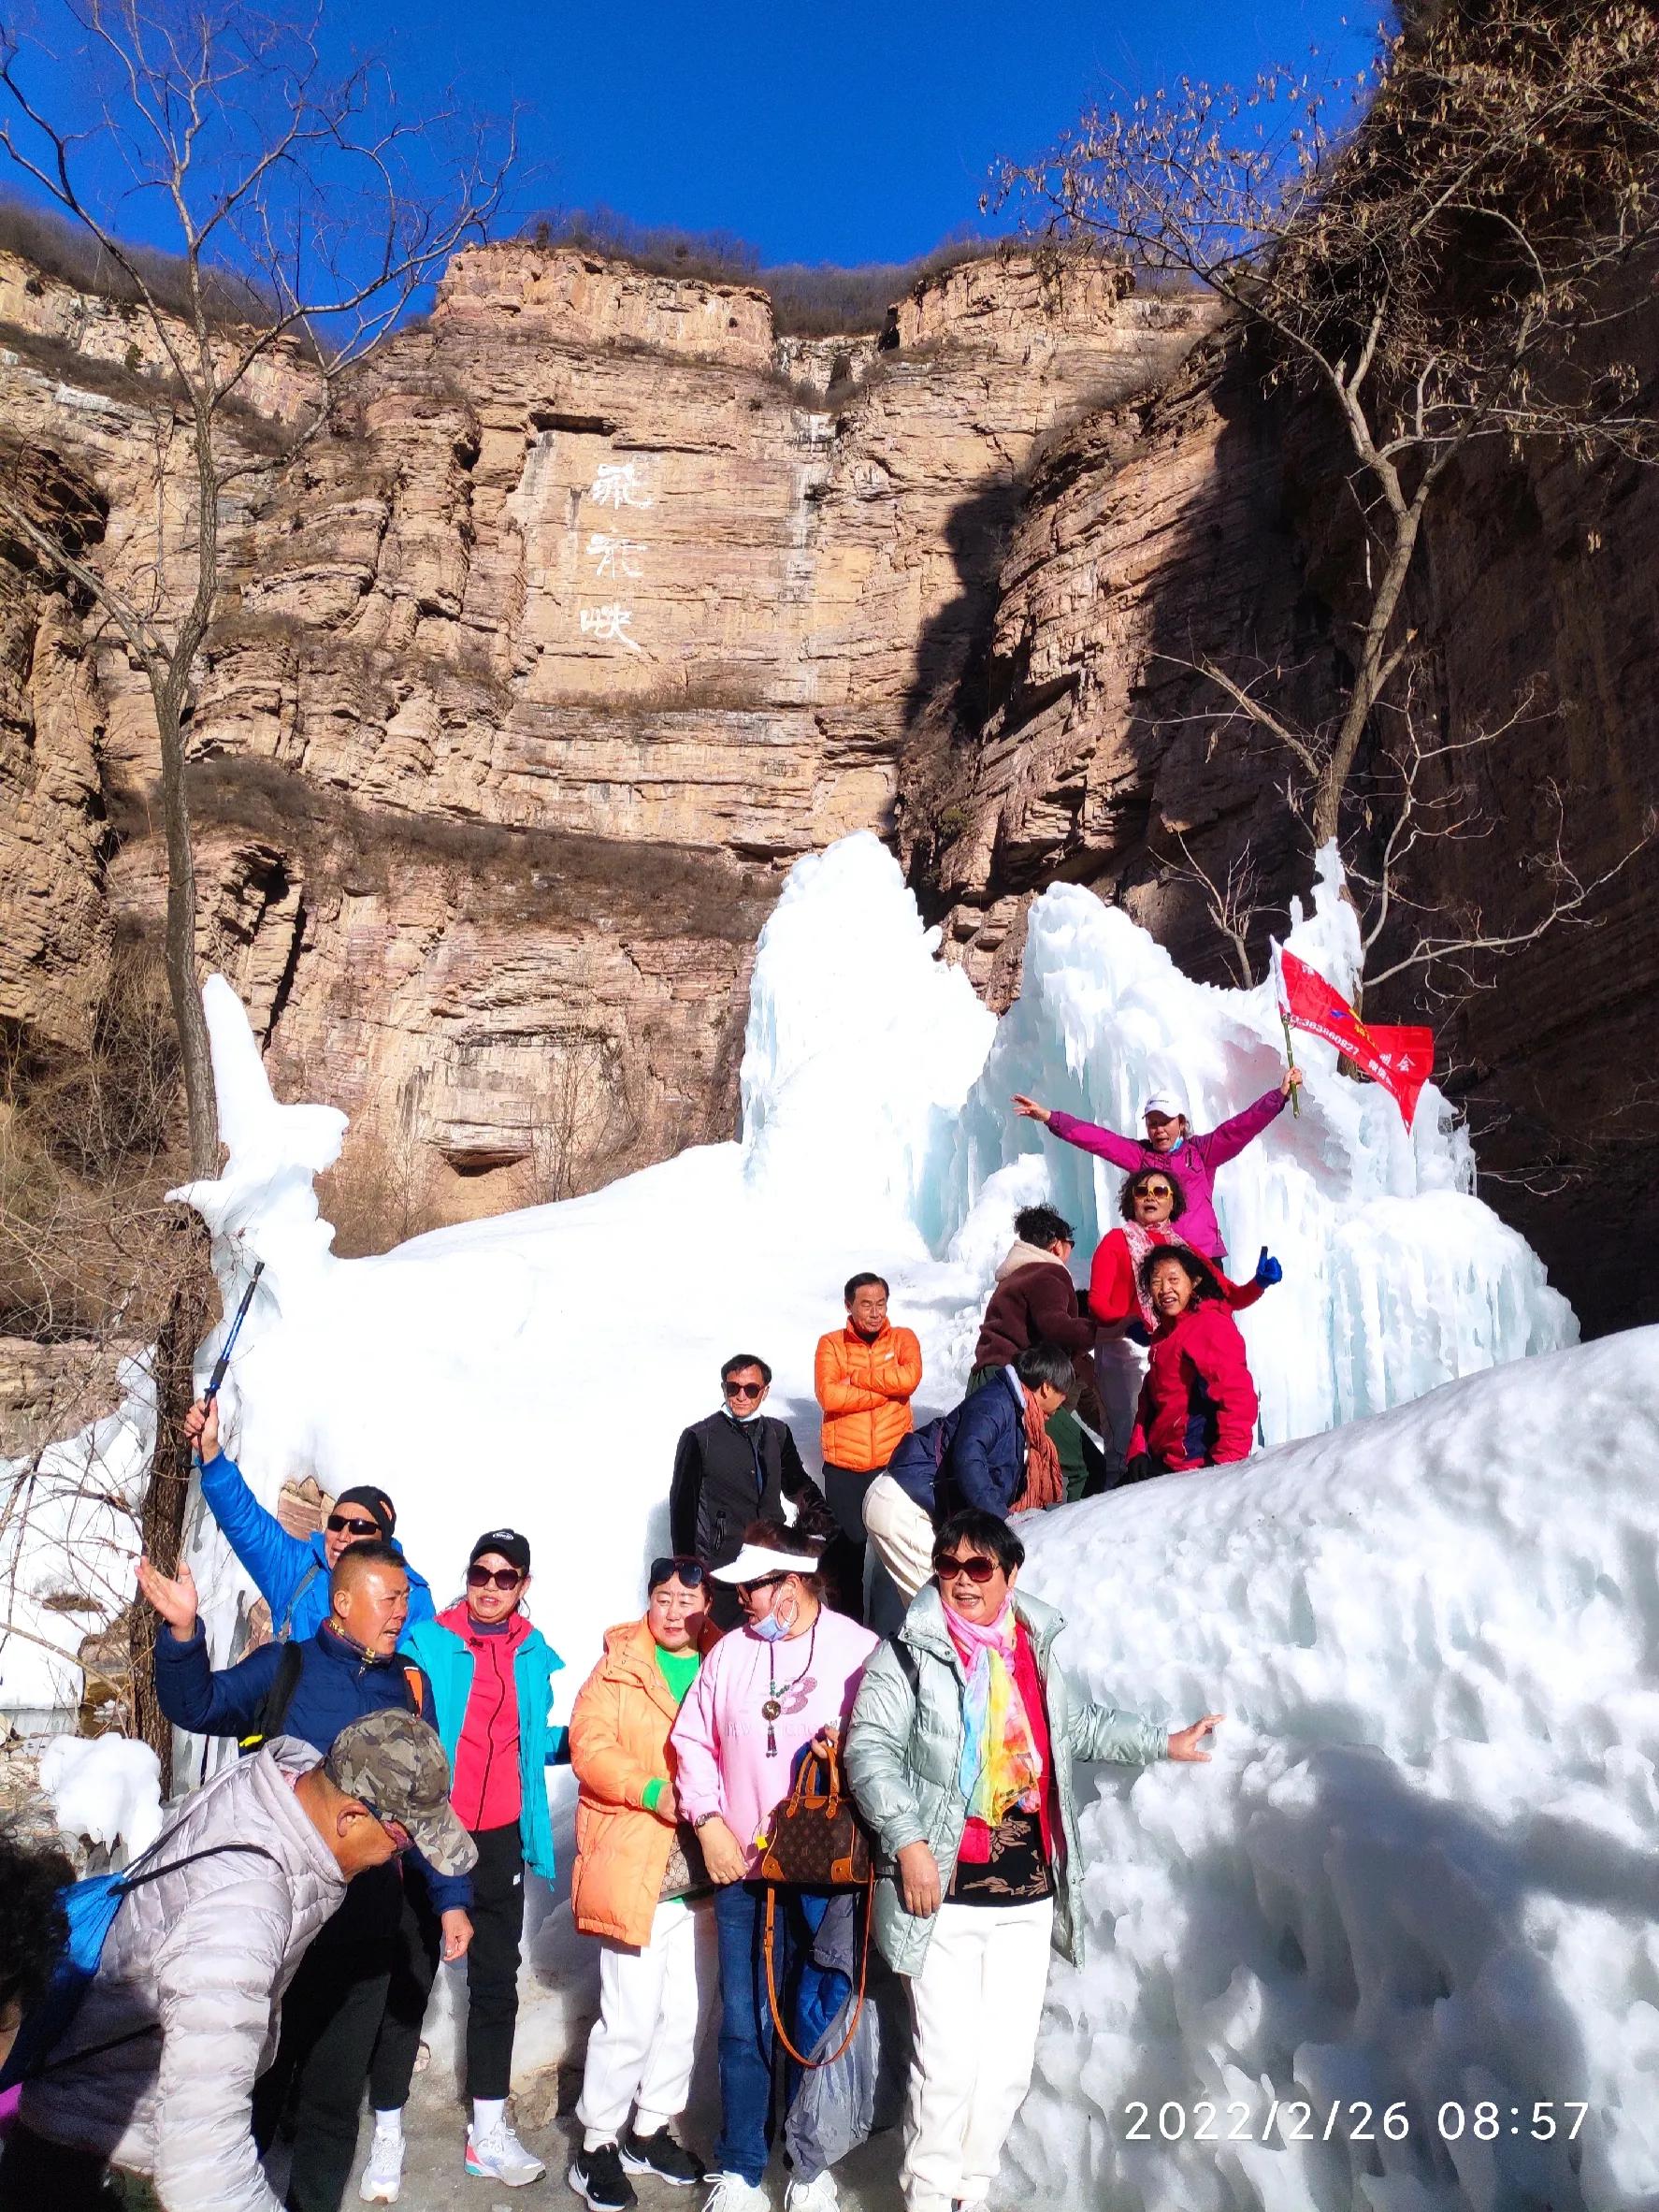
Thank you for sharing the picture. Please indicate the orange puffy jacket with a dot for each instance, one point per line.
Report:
(619, 1741)
(865, 1390)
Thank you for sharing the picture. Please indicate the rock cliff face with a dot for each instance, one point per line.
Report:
(599, 607)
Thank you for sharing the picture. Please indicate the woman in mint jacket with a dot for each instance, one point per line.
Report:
(492, 1684)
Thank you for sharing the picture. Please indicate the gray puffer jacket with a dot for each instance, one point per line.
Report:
(205, 1954)
(905, 1746)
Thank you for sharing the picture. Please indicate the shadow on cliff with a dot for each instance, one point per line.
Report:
(953, 652)
(1392, 1955)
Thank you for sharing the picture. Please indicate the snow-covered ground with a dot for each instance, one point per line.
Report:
(538, 1367)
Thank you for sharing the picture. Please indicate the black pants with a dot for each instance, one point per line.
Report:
(843, 1554)
(37, 2175)
(330, 2019)
(492, 1978)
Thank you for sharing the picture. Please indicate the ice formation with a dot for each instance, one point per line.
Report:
(538, 1367)
(107, 1788)
(1419, 1871)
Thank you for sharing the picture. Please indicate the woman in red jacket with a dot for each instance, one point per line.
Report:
(1198, 1402)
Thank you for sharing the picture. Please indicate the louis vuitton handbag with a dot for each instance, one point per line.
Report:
(815, 1840)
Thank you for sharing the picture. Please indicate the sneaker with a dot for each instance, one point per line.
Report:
(597, 2175)
(381, 2179)
(812, 2196)
(732, 2193)
(500, 2156)
(659, 2154)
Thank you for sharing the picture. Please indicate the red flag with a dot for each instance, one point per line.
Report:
(1400, 1059)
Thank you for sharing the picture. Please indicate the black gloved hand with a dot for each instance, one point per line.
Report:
(1139, 1469)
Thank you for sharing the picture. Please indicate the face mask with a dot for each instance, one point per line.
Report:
(771, 1630)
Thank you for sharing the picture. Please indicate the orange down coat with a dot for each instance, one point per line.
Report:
(865, 1390)
(619, 1741)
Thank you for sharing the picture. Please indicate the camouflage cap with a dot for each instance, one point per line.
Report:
(394, 1762)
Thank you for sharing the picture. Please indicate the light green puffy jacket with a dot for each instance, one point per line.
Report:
(904, 1747)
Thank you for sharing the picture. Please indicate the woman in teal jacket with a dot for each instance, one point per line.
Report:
(492, 1684)
(959, 1755)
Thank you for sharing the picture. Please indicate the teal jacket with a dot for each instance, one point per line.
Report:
(540, 1744)
(905, 1746)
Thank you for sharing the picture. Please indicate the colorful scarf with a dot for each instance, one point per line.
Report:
(1001, 1769)
(1044, 1485)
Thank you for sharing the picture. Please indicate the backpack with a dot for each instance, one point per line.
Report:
(273, 1712)
(89, 1908)
(915, 1464)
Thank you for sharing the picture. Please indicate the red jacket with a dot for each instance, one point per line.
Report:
(1198, 1402)
(1112, 1291)
(488, 1791)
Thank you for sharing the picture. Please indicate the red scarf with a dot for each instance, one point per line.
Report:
(1044, 1485)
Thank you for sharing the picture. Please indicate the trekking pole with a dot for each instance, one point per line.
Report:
(222, 1362)
(1284, 1024)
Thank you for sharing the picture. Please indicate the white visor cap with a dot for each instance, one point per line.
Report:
(754, 1562)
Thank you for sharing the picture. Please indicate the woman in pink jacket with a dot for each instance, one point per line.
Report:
(1192, 1160)
(1198, 1402)
(785, 1679)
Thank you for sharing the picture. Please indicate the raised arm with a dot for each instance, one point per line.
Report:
(194, 1697)
(275, 1559)
(1226, 1141)
(1122, 1151)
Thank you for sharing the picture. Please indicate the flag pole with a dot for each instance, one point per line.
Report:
(1285, 1021)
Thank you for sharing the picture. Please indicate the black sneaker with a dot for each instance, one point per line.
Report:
(597, 2175)
(659, 2154)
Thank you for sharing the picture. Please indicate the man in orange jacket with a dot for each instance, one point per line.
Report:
(865, 1374)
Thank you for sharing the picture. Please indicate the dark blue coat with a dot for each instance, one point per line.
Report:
(983, 1463)
(337, 1683)
(289, 1572)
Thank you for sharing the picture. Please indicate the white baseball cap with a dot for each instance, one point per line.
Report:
(1163, 1102)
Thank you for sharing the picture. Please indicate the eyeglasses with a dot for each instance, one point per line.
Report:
(499, 1578)
(763, 1581)
(745, 1390)
(977, 1569)
(689, 1571)
(349, 1524)
(394, 1828)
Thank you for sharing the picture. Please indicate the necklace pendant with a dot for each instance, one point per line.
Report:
(770, 1710)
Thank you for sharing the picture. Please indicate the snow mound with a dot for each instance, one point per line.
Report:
(107, 1788)
(1396, 1278)
(1420, 1872)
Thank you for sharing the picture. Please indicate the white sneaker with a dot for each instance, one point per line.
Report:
(730, 2192)
(381, 2179)
(812, 2196)
(500, 2156)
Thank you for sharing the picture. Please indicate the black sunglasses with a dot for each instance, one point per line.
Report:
(691, 1571)
(977, 1569)
(348, 1525)
(500, 1578)
(762, 1582)
(745, 1390)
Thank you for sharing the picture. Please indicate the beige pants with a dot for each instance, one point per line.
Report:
(901, 1533)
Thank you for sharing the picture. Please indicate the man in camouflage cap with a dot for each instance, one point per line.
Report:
(394, 1764)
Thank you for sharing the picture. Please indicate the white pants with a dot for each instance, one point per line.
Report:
(1119, 1369)
(975, 2005)
(901, 1533)
(641, 2050)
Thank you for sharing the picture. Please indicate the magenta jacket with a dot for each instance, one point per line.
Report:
(1192, 1163)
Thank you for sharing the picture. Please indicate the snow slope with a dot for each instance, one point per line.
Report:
(1421, 1869)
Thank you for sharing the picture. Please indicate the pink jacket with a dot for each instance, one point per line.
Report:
(719, 1738)
(1192, 1163)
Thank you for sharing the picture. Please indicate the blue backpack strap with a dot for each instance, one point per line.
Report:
(298, 1591)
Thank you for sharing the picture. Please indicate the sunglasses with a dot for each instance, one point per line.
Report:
(763, 1581)
(745, 1390)
(691, 1571)
(394, 1828)
(497, 1578)
(1155, 1190)
(349, 1524)
(977, 1569)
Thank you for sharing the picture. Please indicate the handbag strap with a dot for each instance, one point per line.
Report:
(772, 1986)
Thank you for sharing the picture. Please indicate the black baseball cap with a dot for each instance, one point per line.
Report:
(375, 1503)
(513, 1548)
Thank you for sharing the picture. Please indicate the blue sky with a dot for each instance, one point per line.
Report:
(840, 130)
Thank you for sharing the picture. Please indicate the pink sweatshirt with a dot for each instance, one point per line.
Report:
(719, 1738)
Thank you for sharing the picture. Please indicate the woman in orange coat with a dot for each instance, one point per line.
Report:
(865, 1375)
(633, 1871)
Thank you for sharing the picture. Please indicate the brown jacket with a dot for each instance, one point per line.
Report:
(619, 1743)
(1035, 1301)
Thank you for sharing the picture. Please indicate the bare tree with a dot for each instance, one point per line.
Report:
(300, 239)
(1233, 901)
(1457, 267)
(584, 1119)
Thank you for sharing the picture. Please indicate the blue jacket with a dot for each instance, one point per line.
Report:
(289, 1572)
(983, 1463)
(448, 1665)
(337, 1683)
